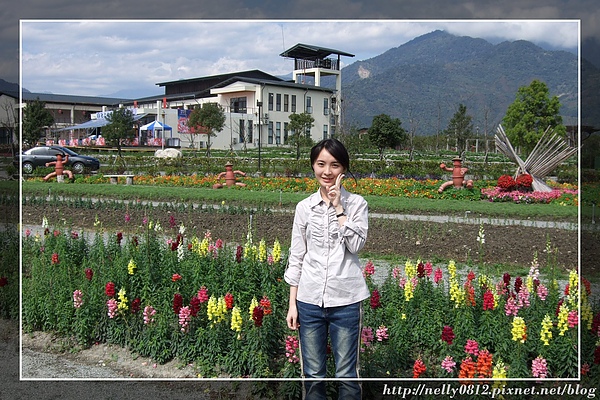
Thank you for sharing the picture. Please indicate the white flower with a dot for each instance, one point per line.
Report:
(181, 229)
(44, 222)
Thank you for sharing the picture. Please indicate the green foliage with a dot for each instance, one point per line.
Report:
(299, 126)
(386, 132)
(207, 120)
(119, 128)
(35, 118)
(9, 272)
(460, 128)
(532, 112)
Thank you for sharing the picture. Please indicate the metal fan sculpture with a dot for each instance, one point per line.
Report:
(548, 153)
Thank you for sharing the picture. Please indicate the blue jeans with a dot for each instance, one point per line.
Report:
(342, 325)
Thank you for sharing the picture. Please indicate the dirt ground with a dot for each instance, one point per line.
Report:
(414, 239)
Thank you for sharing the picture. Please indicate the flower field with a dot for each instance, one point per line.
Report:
(166, 293)
(565, 194)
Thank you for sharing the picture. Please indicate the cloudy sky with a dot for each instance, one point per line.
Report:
(12, 12)
(105, 57)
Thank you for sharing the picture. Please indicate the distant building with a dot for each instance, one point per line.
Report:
(257, 105)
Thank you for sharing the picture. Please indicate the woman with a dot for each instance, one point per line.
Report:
(326, 282)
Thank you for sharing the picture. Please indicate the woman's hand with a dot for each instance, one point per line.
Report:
(335, 191)
(292, 318)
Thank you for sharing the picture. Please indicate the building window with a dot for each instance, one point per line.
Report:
(270, 138)
(271, 101)
(278, 133)
(325, 129)
(286, 102)
(325, 106)
(242, 132)
(285, 132)
(308, 104)
(293, 103)
(278, 102)
(238, 105)
(250, 131)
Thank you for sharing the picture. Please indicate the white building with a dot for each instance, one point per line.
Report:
(257, 105)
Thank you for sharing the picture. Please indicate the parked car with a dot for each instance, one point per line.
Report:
(39, 156)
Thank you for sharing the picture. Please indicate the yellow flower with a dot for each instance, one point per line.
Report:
(409, 291)
(573, 288)
(563, 317)
(403, 316)
(262, 251)
(499, 371)
(410, 269)
(529, 283)
(457, 294)
(276, 251)
(452, 269)
(211, 308)
(253, 305)
(122, 300)
(587, 314)
(546, 333)
(518, 330)
(236, 319)
(204, 247)
(131, 267)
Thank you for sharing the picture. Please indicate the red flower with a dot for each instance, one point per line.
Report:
(109, 289)
(448, 334)
(596, 325)
(135, 241)
(119, 237)
(89, 274)
(524, 180)
(203, 294)
(484, 364)
(238, 254)
(135, 305)
(257, 315)
(467, 368)
(177, 303)
(470, 276)
(175, 277)
(421, 270)
(265, 303)
(194, 306)
(375, 299)
(55, 258)
(488, 300)
(518, 284)
(3, 281)
(597, 355)
(506, 182)
(418, 368)
(506, 279)
(229, 301)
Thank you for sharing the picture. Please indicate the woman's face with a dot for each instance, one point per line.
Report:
(327, 169)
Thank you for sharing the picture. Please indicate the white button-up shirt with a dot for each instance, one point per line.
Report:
(323, 259)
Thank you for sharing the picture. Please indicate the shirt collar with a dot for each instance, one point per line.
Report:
(315, 199)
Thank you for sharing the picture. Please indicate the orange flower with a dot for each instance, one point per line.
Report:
(484, 364)
(467, 368)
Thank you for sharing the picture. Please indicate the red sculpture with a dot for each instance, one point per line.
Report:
(59, 168)
(229, 176)
(458, 176)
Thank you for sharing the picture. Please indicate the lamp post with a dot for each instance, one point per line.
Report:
(259, 104)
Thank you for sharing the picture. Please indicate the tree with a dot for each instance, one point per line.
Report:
(208, 120)
(299, 127)
(528, 117)
(119, 128)
(386, 132)
(35, 119)
(460, 128)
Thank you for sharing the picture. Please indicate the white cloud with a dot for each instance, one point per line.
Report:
(101, 57)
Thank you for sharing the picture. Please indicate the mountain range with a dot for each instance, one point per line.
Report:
(423, 81)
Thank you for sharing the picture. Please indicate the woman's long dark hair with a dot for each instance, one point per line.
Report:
(336, 149)
(333, 147)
